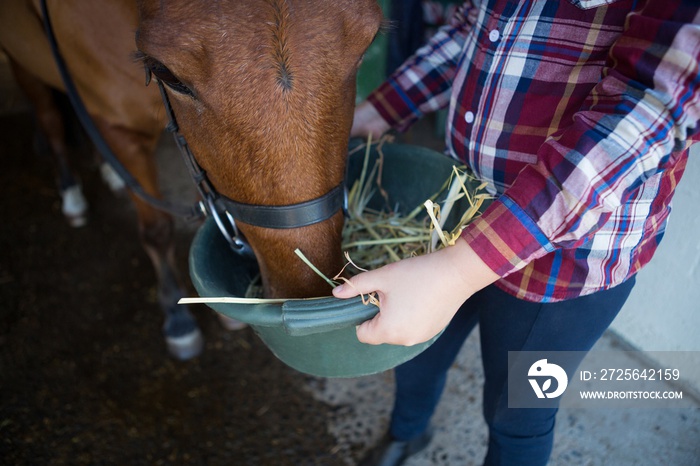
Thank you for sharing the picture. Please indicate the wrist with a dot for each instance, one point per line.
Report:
(471, 271)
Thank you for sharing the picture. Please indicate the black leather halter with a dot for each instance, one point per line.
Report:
(223, 210)
(226, 211)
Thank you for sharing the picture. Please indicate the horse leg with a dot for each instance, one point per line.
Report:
(110, 177)
(52, 133)
(136, 151)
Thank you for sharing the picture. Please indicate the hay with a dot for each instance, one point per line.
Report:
(301, 255)
(378, 237)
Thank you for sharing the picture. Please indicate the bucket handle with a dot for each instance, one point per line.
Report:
(306, 317)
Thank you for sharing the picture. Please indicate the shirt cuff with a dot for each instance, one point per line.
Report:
(506, 238)
(394, 106)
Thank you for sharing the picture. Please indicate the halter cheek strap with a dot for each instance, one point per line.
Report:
(226, 211)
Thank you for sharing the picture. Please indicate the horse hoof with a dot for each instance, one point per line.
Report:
(186, 346)
(111, 178)
(231, 324)
(76, 222)
(74, 206)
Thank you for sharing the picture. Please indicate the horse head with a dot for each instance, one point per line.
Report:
(264, 92)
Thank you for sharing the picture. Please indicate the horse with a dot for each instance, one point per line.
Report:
(263, 92)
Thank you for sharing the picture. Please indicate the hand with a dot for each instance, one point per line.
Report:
(418, 296)
(367, 120)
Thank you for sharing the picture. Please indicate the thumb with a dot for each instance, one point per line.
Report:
(345, 291)
(359, 284)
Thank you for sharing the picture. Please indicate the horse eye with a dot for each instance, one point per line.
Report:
(166, 76)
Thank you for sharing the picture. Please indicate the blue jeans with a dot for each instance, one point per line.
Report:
(520, 437)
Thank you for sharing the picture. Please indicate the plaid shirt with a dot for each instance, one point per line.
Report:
(578, 114)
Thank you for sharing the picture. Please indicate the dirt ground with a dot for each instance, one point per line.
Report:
(84, 374)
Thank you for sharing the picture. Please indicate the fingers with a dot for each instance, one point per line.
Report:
(378, 331)
(393, 324)
(367, 333)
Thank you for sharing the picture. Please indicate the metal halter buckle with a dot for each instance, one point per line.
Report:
(231, 233)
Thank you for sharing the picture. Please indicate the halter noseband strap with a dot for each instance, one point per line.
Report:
(226, 211)
(286, 216)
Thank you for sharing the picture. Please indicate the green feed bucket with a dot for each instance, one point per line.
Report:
(317, 336)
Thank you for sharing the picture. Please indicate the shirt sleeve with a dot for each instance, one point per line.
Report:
(423, 83)
(636, 123)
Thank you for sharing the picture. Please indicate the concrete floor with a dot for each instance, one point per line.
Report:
(583, 437)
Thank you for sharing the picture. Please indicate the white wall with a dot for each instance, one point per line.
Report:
(663, 312)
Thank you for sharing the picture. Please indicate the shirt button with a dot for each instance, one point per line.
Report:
(494, 35)
(469, 117)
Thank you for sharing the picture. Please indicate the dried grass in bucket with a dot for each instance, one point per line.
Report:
(377, 237)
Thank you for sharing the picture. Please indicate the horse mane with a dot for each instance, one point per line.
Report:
(280, 46)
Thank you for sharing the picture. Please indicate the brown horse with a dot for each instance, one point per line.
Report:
(263, 90)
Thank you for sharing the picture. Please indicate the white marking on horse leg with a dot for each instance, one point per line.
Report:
(74, 206)
(186, 346)
(111, 178)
